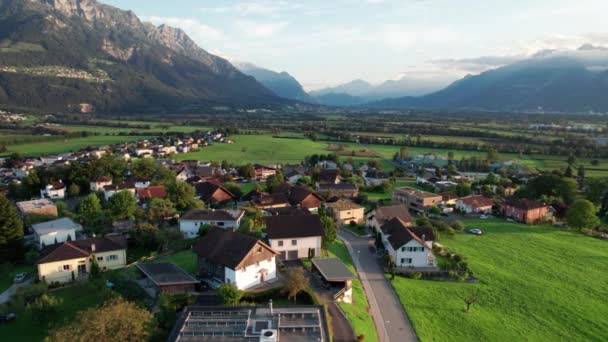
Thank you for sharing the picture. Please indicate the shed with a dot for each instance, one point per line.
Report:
(168, 277)
(335, 272)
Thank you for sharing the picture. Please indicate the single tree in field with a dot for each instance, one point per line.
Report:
(116, 321)
(295, 282)
(450, 156)
(470, 300)
(229, 294)
(122, 205)
(11, 231)
(583, 214)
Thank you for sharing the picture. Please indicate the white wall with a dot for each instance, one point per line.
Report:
(61, 236)
(302, 246)
(190, 227)
(419, 258)
(249, 277)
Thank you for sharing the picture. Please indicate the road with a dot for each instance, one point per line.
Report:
(392, 323)
(6, 295)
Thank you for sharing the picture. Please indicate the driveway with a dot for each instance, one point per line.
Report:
(6, 295)
(392, 323)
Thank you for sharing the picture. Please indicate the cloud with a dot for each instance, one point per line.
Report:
(257, 8)
(476, 65)
(256, 29)
(196, 30)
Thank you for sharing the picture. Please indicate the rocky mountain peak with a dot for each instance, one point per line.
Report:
(89, 10)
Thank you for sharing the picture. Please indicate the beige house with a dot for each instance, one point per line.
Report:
(295, 236)
(416, 200)
(345, 212)
(62, 263)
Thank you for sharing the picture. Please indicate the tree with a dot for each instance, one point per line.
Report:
(229, 294)
(568, 173)
(90, 210)
(492, 155)
(95, 270)
(595, 189)
(463, 189)
(117, 320)
(571, 160)
(143, 168)
(295, 282)
(583, 214)
(122, 205)
(491, 179)
(202, 230)
(182, 195)
(450, 156)
(159, 209)
(470, 300)
(11, 231)
(330, 230)
(247, 171)
(44, 307)
(435, 210)
(74, 190)
(567, 190)
(581, 172)
(404, 152)
(234, 189)
(246, 226)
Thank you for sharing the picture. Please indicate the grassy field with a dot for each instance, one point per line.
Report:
(536, 284)
(184, 259)
(7, 276)
(356, 313)
(67, 145)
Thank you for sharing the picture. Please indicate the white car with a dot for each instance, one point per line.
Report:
(475, 231)
(19, 278)
(483, 217)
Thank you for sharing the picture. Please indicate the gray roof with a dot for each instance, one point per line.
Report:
(165, 273)
(333, 269)
(58, 225)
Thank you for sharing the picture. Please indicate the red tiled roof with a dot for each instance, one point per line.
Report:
(477, 201)
(524, 204)
(103, 179)
(157, 191)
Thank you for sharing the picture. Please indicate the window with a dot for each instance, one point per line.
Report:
(406, 260)
(220, 224)
(99, 258)
(294, 242)
(112, 257)
(66, 267)
(280, 243)
(257, 264)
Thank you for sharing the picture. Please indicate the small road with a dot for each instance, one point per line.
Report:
(392, 323)
(6, 295)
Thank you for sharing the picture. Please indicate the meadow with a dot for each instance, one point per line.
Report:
(68, 145)
(537, 283)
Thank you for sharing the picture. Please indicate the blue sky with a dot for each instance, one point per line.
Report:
(329, 42)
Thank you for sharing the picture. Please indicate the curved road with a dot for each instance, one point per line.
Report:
(392, 323)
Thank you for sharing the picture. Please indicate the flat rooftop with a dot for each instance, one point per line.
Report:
(333, 269)
(55, 226)
(416, 192)
(26, 206)
(166, 273)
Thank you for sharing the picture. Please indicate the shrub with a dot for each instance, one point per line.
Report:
(229, 294)
(458, 226)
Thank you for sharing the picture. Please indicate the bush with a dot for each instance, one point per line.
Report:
(458, 226)
(229, 294)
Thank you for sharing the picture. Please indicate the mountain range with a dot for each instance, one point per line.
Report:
(82, 55)
(280, 83)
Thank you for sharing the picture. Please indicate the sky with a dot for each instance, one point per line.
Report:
(328, 42)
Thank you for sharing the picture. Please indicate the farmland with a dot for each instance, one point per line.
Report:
(530, 277)
(68, 144)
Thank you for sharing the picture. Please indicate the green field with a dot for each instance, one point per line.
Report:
(68, 145)
(536, 284)
(184, 259)
(356, 313)
(8, 274)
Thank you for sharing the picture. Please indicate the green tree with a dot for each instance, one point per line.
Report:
(404, 152)
(90, 211)
(583, 214)
(463, 189)
(143, 168)
(492, 155)
(246, 226)
(450, 156)
(595, 189)
(491, 179)
(470, 300)
(122, 205)
(11, 231)
(116, 321)
(568, 173)
(234, 188)
(229, 294)
(95, 270)
(571, 160)
(44, 308)
(202, 230)
(158, 209)
(182, 196)
(566, 189)
(435, 210)
(581, 172)
(74, 190)
(247, 171)
(295, 282)
(329, 229)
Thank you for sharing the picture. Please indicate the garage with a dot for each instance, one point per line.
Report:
(291, 255)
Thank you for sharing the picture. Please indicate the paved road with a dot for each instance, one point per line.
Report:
(6, 295)
(391, 322)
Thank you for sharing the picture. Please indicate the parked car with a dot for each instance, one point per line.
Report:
(19, 278)
(214, 283)
(475, 231)
(445, 214)
(7, 317)
(483, 217)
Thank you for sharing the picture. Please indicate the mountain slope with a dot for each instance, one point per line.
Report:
(575, 81)
(280, 83)
(68, 55)
(353, 88)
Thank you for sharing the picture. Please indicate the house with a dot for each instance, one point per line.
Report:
(144, 195)
(342, 190)
(263, 172)
(301, 197)
(166, 277)
(372, 178)
(295, 237)
(293, 176)
(330, 176)
(190, 223)
(476, 204)
(252, 324)
(449, 198)
(99, 183)
(213, 194)
(138, 182)
(235, 258)
(113, 189)
(55, 231)
(327, 165)
(268, 201)
(71, 260)
(143, 152)
(184, 174)
(287, 211)
(417, 201)
(379, 216)
(37, 207)
(347, 212)
(55, 190)
(412, 247)
(526, 211)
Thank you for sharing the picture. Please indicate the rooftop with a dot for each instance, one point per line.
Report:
(342, 205)
(26, 206)
(296, 226)
(165, 273)
(416, 192)
(333, 269)
(53, 226)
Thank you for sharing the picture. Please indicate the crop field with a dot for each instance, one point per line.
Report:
(537, 283)
(67, 145)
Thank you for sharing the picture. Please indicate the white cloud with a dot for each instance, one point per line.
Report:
(195, 29)
(246, 8)
(257, 29)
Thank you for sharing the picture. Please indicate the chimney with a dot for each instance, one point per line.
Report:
(270, 305)
(92, 247)
(423, 237)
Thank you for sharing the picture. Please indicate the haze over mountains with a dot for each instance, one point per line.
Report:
(81, 55)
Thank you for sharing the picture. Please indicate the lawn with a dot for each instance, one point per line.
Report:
(536, 283)
(356, 313)
(67, 145)
(184, 259)
(7, 276)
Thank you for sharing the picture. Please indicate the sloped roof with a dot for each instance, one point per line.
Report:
(524, 204)
(80, 249)
(157, 191)
(103, 179)
(339, 186)
(165, 273)
(333, 269)
(403, 236)
(207, 189)
(477, 201)
(271, 199)
(342, 205)
(389, 212)
(294, 226)
(298, 194)
(211, 215)
(287, 211)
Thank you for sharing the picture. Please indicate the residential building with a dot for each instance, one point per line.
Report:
(235, 258)
(55, 190)
(330, 176)
(373, 178)
(190, 223)
(55, 231)
(268, 201)
(346, 212)
(304, 198)
(37, 207)
(476, 204)
(113, 189)
(144, 195)
(166, 277)
(379, 216)
(417, 201)
(412, 247)
(342, 190)
(184, 174)
(263, 172)
(449, 198)
(295, 237)
(71, 260)
(251, 324)
(526, 211)
(99, 183)
(213, 194)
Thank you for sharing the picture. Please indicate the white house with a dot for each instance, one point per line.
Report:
(477, 204)
(295, 236)
(184, 174)
(190, 223)
(381, 215)
(412, 247)
(235, 258)
(143, 152)
(113, 189)
(99, 183)
(55, 231)
(139, 183)
(55, 190)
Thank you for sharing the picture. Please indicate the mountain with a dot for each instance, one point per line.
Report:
(354, 88)
(280, 83)
(82, 55)
(553, 81)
